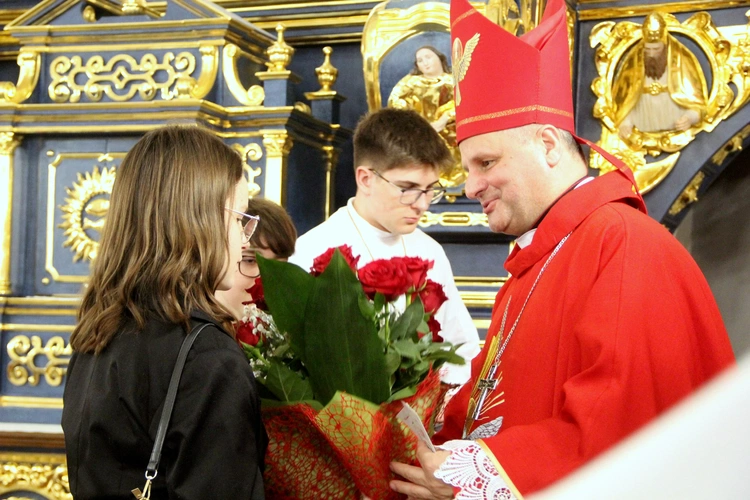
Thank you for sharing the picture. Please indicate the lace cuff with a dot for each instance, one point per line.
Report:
(470, 469)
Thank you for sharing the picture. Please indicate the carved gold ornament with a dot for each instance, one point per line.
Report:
(731, 146)
(133, 7)
(251, 152)
(279, 53)
(45, 475)
(689, 195)
(30, 66)
(85, 210)
(453, 219)
(619, 62)
(253, 96)
(278, 144)
(326, 72)
(122, 77)
(515, 16)
(89, 14)
(23, 368)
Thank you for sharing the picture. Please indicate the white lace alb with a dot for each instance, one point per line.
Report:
(469, 468)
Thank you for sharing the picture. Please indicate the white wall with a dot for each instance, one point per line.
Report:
(716, 231)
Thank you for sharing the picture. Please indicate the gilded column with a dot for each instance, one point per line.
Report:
(8, 143)
(278, 144)
(331, 156)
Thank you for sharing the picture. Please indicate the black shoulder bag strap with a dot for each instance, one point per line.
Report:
(166, 413)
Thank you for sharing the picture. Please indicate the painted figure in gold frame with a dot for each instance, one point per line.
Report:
(659, 87)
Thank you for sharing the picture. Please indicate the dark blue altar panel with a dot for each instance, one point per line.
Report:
(69, 173)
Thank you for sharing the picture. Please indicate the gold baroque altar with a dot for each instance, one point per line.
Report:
(89, 76)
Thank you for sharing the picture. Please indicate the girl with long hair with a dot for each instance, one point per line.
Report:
(173, 236)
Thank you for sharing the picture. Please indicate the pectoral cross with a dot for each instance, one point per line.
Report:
(486, 385)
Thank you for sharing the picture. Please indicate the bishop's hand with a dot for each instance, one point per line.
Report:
(420, 482)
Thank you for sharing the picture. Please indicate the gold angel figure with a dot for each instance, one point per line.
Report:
(660, 85)
(428, 90)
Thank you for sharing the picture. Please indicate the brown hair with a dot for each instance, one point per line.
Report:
(164, 243)
(443, 60)
(276, 230)
(392, 138)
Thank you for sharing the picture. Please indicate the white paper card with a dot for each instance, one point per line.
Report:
(409, 417)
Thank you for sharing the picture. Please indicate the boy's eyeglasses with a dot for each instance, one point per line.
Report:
(410, 196)
(249, 269)
(249, 226)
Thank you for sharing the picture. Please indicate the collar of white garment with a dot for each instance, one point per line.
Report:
(526, 238)
(368, 230)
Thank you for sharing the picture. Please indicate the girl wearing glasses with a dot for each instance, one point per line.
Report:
(274, 239)
(173, 236)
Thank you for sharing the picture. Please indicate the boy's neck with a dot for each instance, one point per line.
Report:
(361, 206)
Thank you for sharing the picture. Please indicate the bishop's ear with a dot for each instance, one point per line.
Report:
(553, 141)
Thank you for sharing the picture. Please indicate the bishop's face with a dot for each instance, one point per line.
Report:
(655, 59)
(505, 174)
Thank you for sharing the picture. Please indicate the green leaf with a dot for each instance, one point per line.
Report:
(392, 360)
(406, 325)
(379, 302)
(407, 349)
(446, 356)
(366, 307)
(287, 289)
(403, 393)
(342, 348)
(421, 366)
(286, 384)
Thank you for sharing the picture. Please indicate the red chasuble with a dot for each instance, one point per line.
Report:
(621, 326)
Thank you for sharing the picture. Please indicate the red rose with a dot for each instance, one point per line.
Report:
(256, 295)
(321, 261)
(417, 268)
(246, 333)
(387, 276)
(435, 328)
(432, 296)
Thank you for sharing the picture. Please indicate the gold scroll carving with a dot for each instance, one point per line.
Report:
(253, 96)
(250, 153)
(122, 76)
(23, 368)
(29, 64)
(43, 474)
(454, 219)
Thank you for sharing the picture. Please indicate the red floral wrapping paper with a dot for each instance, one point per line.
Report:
(343, 451)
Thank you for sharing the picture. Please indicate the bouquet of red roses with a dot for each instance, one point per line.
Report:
(335, 358)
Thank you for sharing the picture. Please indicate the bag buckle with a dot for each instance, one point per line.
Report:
(146, 494)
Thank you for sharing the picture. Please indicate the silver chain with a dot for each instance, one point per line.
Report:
(507, 306)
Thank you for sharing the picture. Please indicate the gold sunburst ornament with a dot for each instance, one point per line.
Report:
(85, 210)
